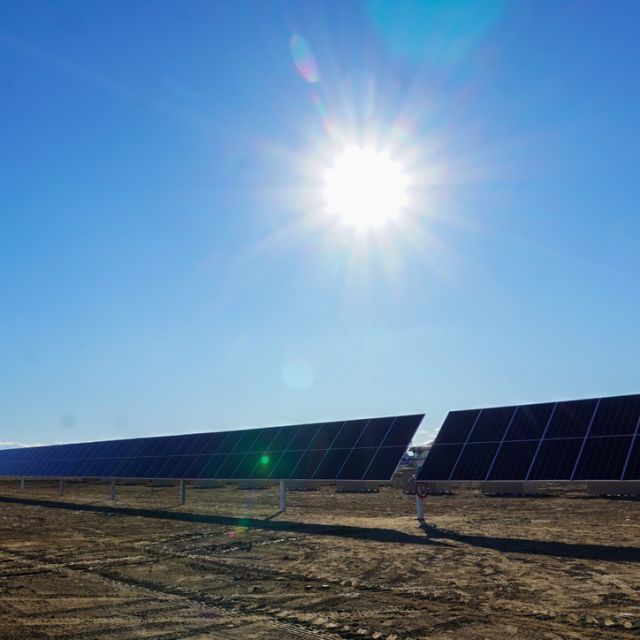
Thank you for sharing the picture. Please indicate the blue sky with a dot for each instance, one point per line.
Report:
(165, 262)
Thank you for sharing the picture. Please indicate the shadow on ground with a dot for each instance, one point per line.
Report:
(434, 536)
(271, 522)
(537, 547)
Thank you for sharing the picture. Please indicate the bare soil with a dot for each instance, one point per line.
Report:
(334, 566)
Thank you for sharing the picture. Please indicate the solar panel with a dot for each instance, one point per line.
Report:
(593, 439)
(365, 449)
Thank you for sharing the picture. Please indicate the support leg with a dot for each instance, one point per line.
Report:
(419, 507)
(61, 487)
(114, 489)
(183, 492)
(21, 485)
(283, 497)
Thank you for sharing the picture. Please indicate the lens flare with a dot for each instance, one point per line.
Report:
(303, 58)
(365, 188)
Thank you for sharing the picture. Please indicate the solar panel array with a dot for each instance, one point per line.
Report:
(595, 439)
(367, 449)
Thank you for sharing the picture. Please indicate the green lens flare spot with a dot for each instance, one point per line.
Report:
(264, 460)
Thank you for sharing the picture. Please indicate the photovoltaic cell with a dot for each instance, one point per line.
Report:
(283, 438)
(492, 424)
(475, 460)
(307, 464)
(247, 465)
(303, 436)
(402, 430)
(603, 458)
(285, 466)
(262, 470)
(529, 422)
(592, 439)
(632, 471)
(571, 419)
(616, 416)
(331, 464)
(556, 459)
(356, 464)
(374, 432)
(325, 436)
(440, 461)
(384, 463)
(245, 442)
(349, 434)
(513, 460)
(457, 427)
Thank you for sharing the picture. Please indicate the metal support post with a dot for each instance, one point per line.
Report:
(283, 497)
(114, 489)
(21, 485)
(419, 507)
(183, 492)
(61, 487)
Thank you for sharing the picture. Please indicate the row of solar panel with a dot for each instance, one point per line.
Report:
(577, 440)
(338, 435)
(607, 458)
(351, 450)
(329, 464)
(615, 416)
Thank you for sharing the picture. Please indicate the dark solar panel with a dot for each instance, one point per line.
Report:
(457, 426)
(349, 434)
(265, 465)
(603, 458)
(325, 436)
(331, 464)
(529, 422)
(402, 430)
(593, 439)
(307, 464)
(357, 463)
(475, 460)
(384, 463)
(632, 464)
(571, 419)
(616, 416)
(283, 438)
(513, 460)
(355, 449)
(374, 432)
(440, 462)
(492, 424)
(285, 466)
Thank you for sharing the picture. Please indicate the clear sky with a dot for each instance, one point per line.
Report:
(167, 263)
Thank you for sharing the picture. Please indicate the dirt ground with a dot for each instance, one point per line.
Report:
(334, 566)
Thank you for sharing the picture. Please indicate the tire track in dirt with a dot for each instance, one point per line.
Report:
(198, 601)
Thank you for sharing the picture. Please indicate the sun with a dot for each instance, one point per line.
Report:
(365, 188)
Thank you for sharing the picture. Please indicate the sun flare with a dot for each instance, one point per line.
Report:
(365, 188)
